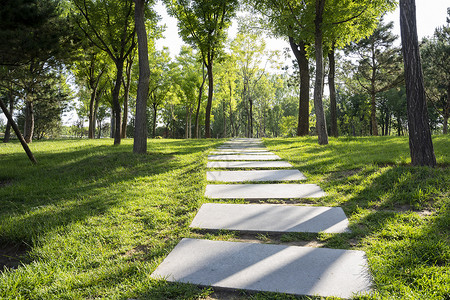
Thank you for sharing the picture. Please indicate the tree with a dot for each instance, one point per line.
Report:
(160, 82)
(203, 25)
(109, 26)
(420, 143)
(379, 65)
(140, 129)
(36, 39)
(436, 67)
(249, 51)
(90, 71)
(17, 132)
(281, 18)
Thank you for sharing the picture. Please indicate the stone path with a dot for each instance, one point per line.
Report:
(262, 267)
(258, 175)
(248, 164)
(263, 191)
(270, 218)
(244, 157)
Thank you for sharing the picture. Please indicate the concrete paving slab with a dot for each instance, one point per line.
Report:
(241, 146)
(263, 191)
(270, 218)
(271, 268)
(248, 152)
(248, 164)
(242, 150)
(255, 175)
(243, 157)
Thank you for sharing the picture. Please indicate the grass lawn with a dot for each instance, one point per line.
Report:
(93, 221)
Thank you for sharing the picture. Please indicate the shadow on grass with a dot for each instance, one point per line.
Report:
(71, 185)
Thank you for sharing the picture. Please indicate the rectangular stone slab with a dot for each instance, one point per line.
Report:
(255, 175)
(263, 191)
(270, 268)
(248, 152)
(270, 218)
(242, 150)
(248, 164)
(244, 157)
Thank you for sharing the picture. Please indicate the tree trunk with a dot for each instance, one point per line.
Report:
(373, 113)
(209, 68)
(250, 118)
(29, 121)
(17, 131)
(303, 105)
(8, 124)
(420, 142)
(332, 86)
(224, 120)
(321, 125)
(116, 103)
(91, 130)
(200, 93)
(126, 86)
(140, 124)
(155, 108)
(446, 112)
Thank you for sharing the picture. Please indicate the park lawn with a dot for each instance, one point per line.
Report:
(93, 220)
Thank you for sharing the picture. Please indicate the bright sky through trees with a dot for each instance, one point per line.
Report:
(430, 14)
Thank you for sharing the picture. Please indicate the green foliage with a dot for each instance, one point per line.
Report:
(203, 24)
(435, 53)
(33, 30)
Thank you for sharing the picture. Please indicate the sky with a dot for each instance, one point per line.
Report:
(430, 14)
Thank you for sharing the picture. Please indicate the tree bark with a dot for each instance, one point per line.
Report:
(140, 124)
(29, 121)
(126, 86)
(299, 51)
(209, 68)
(446, 112)
(200, 93)
(17, 131)
(250, 130)
(91, 130)
(116, 103)
(420, 142)
(155, 108)
(321, 125)
(332, 87)
(8, 124)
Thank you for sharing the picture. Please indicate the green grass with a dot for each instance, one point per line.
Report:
(97, 220)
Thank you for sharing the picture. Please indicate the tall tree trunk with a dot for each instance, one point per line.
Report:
(140, 124)
(224, 120)
(116, 103)
(321, 125)
(155, 109)
(29, 121)
(420, 143)
(8, 124)
(446, 112)
(373, 113)
(332, 87)
(126, 86)
(250, 117)
(17, 132)
(209, 68)
(91, 130)
(200, 93)
(299, 51)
